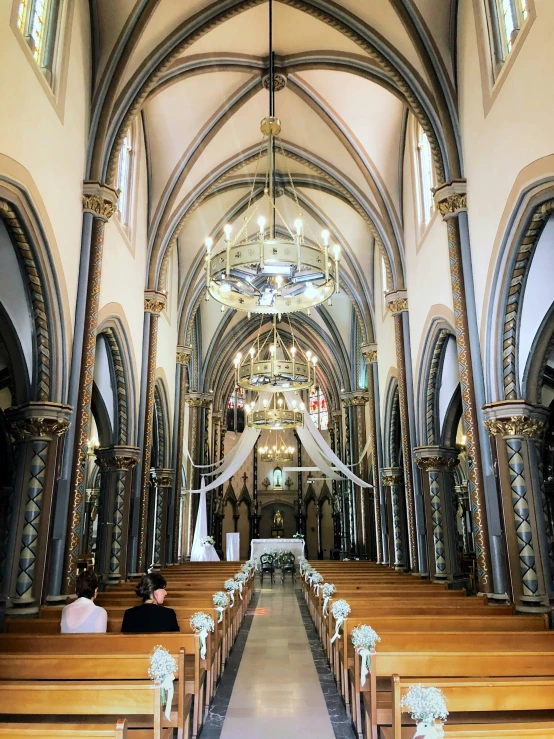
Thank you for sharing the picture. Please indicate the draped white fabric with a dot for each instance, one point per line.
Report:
(199, 552)
(315, 455)
(232, 466)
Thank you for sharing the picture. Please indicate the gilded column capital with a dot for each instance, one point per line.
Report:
(397, 301)
(216, 416)
(451, 198)
(38, 420)
(100, 200)
(164, 477)
(117, 458)
(336, 414)
(357, 397)
(516, 418)
(369, 352)
(199, 400)
(436, 458)
(154, 301)
(183, 354)
(392, 476)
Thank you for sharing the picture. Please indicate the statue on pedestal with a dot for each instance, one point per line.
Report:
(277, 520)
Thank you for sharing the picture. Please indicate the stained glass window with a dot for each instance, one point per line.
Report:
(239, 397)
(319, 412)
(508, 18)
(426, 174)
(37, 27)
(36, 19)
(22, 15)
(124, 179)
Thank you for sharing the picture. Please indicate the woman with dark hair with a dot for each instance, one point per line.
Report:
(151, 616)
(83, 616)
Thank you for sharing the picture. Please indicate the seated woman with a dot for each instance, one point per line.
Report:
(151, 616)
(82, 616)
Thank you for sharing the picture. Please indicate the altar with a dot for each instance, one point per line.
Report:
(260, 546)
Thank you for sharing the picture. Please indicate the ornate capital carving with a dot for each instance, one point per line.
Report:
(164, 477)
(100, 200)
(154, 301)
(392, 476)
(516, 418)
(369, 352)
(356, 398)
(199, 400)
(216, 416)
(436, 458)
(336, 415)
(38, 420)
(451, 198)
(397, 301)
(116, 458)
(183, 354)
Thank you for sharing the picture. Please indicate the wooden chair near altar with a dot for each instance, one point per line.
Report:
(266, 566)
(288, 564)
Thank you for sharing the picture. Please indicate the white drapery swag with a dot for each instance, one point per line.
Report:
(199, 552)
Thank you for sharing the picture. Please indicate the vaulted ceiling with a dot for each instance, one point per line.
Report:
(354, 69)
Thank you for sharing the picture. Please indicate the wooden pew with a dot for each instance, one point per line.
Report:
(138, 699)
(485, 696)
(64, 731)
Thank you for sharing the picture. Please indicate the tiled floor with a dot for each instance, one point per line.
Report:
(277, 692)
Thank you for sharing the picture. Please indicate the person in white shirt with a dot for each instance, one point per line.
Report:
(82, 616)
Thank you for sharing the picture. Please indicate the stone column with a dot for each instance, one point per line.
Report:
(116, 464)
(100, 201)
(392, 478)
(437, 464)
(37, 429)
(154, 302)
(397, 301)
(356, 430)
(341, 495)
(162, 481)
(255, 501)
(515, 425)
(198, 404)
(451, 200)
(301, 520)
(369, 353)
(183, 355)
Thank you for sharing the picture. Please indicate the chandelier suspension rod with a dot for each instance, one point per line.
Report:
(270, 140)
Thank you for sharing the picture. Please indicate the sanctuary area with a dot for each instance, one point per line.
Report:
(276, 369)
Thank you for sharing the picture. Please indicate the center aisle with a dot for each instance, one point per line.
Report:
(277, 691)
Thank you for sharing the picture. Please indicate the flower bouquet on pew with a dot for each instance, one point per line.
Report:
(202, 624)
(221, 600)
(230, 586)
(327, 591)
(241, 578)
(364, 639)
(207, 541)
(162, 669)
(426, 706)
(340, 610)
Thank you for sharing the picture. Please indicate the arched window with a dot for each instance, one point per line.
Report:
(425, 176)
(124, 180)
(37, 20)
(319, 412)
(505, 19)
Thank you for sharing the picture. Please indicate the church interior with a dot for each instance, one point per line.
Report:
(277, 296)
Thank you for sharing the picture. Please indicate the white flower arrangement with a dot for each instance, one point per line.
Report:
(426, 705)
(241, 578)
(221, 600)
(327, 591)
(163, 667)
(207, 541)
(340, 610)
(202, 624)
(230, 586)
(315, 580)
(298, 535)
(364, 638)
(301, 564)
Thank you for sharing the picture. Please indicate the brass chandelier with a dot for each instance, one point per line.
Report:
(279, 452)
(264, 272)
(275, 416)
(275, 368)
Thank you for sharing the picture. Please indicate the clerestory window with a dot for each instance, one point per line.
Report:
(37, 21)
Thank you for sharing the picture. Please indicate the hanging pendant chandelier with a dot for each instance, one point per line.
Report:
(275, 368)
(279, 452)
(275, 416)
(262, 271)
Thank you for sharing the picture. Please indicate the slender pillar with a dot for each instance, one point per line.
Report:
(515, 426)
(162, 482)
(397, 301)
(369, 353)
(116, 464)
(336, 506)
(198, 404)
(301, 521)
(354, 404)
(392, 478)
(37, 429)
(452, 202)
(256, 534)
(154, 303)
(437, 464)
(99, 200)
(183, 355)
(342, 496)
(319, 514)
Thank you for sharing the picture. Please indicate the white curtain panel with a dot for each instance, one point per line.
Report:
(199, 552)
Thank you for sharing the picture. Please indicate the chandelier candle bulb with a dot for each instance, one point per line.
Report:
(227, 230)
(336, 252)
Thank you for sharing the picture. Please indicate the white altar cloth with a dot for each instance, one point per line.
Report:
(232, 547)
(259, 546)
